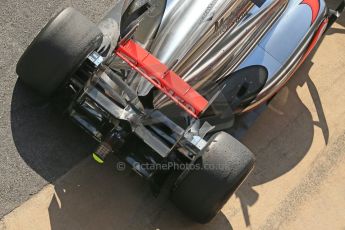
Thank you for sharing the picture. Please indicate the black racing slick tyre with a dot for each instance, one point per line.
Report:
(58, 51)
(223, 166)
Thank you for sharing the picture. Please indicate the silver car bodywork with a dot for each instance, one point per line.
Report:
(205, 41)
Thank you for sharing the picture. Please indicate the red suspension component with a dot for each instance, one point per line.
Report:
(162, 78)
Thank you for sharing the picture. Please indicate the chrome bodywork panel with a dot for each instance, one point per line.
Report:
(188, 24)
(282, 47)
(221, 48)
(209, 40)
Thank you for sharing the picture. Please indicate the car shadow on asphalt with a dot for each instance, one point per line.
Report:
(93, 196)
(49, 143)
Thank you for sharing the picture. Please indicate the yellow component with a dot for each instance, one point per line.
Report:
(97, 158)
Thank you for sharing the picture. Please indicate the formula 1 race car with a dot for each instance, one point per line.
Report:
(158, 83)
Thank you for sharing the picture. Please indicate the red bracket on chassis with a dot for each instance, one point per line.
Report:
(162, 78)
